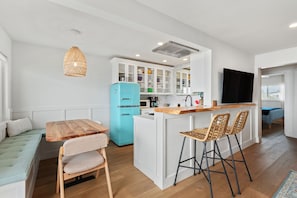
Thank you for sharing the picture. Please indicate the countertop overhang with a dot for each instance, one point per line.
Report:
(184, 110)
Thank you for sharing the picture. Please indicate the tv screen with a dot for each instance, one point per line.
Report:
(237, 86)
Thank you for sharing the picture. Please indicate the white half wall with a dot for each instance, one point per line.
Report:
(42, 92)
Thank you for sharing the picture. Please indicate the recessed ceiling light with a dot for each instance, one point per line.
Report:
(293, 25)
(160, 43)
(185, 59)
(164, 61)
(137, 55)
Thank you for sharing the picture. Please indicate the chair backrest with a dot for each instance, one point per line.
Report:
(86, 143)
(238, 123)
(217, 126)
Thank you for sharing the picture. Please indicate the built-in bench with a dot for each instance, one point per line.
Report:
(19, 161)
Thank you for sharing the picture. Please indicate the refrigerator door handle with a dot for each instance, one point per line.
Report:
(127, 106)
(126, 98)
(125, 114)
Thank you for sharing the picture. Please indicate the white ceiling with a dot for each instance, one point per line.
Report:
(122, 27)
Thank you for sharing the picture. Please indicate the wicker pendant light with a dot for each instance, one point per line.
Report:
(75, 63)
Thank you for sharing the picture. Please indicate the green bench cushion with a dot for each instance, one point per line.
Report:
(16, 155)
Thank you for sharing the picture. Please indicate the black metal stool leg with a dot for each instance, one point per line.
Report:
(208, 171)
(222, 161)
(213, 155)
(233, 165)
(195, 158)
(243, 158)
(201, 161)
(179, 161)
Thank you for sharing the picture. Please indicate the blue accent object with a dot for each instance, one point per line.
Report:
(124, 104)
(268, 116)
(17, 153)
(269, 108)
(266, 110)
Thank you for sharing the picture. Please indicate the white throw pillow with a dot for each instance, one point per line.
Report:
(2, 131)
(18, 126)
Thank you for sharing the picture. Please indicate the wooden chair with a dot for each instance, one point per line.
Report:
(234, 129)
(82, 155)
(215, 130)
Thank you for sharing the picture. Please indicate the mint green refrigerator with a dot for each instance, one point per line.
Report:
(124, 104)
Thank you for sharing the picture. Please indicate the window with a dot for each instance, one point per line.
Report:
(272, 92)
(273, 87)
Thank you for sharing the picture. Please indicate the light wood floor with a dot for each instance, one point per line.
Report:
(269, 163)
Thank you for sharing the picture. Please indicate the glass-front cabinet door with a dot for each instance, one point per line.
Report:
(178, 88)
(163, 83)
(126, 72)
(167, 81)
(183, 82)
(141, 78)
(150, 79)
(131, 73)
(184, 79)
(122, 72)
(160, 80)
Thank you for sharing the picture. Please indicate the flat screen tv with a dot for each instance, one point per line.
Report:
(237, 86)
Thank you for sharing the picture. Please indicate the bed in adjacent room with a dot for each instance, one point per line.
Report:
(270, 114)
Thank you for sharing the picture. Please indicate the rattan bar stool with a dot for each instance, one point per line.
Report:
(215, 130)
(234, 129)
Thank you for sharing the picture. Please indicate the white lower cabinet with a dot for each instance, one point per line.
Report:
(157, 142)
(145, 145)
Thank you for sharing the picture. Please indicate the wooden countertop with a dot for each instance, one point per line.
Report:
(183, 110)
(63, 130)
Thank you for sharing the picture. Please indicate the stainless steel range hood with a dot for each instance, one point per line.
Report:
(174, 49)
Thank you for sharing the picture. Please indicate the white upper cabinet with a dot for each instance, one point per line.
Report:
(201, 74)
(126, 72)
(182, 81)
(141, 77)
(152, 78)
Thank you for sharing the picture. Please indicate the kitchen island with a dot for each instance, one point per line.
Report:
(157, 141)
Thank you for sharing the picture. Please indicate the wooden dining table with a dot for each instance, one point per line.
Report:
(64, 130)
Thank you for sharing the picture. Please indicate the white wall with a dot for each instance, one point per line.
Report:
(273, 79)
(276, 58)
(41, 91)
(5, 43)
(5, 50)
(228, 57)
(282, 61)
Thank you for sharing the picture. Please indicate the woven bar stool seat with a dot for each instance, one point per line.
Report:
(215, 130)
(198, 134)
(237, 126)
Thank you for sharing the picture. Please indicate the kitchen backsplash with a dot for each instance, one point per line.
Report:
(174, 100)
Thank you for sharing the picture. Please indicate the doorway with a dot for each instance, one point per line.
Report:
(273, 101)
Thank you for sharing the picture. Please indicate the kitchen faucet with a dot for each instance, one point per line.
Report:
(187, 99)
